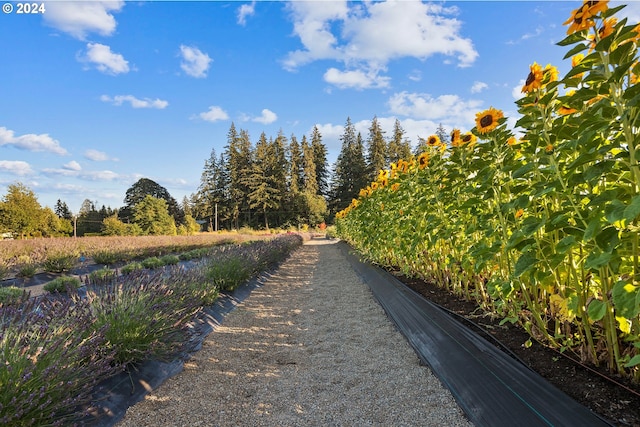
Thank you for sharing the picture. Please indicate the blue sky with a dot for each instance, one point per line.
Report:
(95, 95)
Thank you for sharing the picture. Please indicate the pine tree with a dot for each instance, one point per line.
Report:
(399, 146)
(261, 181)
(296, 178)
(62, 210)
(350, 169)
(443, 134)
(239, 161)
(376, 150)
(320, 159)
(310, 180)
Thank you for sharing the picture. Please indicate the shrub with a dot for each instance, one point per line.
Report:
(228, 273)
(106, 257)
(145, 317)
(4, 270)
(152, 262)
(12, 295)
(27, 270)
(52, 359)
(62, 284)
(58, 263)
(170, 259)
(102, 276)
(133, 266)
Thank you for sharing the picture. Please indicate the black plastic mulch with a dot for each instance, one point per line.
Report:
(492, 388)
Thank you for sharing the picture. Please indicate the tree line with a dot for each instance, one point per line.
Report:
(274, 182)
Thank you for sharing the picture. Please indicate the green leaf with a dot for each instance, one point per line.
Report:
(593, 228)
(565, 244)
(614, 211)
(571, 39)
(596, 310)
(632, 211)
(523, 170)
(532, 224)
(621, 52)
(576, 49)
(626, 299)
(526, 262)
(635, 360)
(608, 239)
(596, 260)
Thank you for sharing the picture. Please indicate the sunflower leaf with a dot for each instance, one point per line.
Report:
(571, 39)
(577, 48)
(596, 310)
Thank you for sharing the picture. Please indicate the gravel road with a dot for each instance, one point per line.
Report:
(309, 347)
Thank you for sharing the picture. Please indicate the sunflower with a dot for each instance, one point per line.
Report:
(374, 186)
(512, 141)
(395, 186)
(469, 139)
(487, 120)
(550, 73)
(433, 141)
(354, 203)
(596, 6)
(534, 79)
(581, 18)
(565, 110)
(455, 138)
(575, 61)
(363, 193)
(519, 213)
(548, 149)
(403, 166)
(423, 160)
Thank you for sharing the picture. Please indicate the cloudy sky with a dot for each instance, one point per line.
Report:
(95, 95)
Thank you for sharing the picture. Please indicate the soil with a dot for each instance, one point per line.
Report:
(614, 398)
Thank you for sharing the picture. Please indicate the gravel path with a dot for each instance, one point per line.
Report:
(310, 347)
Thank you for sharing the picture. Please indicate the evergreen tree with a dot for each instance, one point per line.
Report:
(399, 146)
(310, 180)
(261, 181)
(350, 169)
(320, 159)
(62, 210)
(151, 214)
(296, 166)
(443, 134)
(89, 219)
(376, 150)
(239, 167)
(213, 193)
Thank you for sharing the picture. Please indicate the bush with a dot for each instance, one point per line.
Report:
(131, 267)
(58, 263)
(106, 257)
(62, 284)
(170, 259)
(52, 359)
(12, 295)
(102, 276)
(152, 262)
(4, 270)
(27, 270)
(228, 273)
(145, 317)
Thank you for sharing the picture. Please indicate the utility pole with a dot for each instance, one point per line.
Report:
(75, 226)
(216, 217)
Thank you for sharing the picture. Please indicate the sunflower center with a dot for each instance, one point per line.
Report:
(486, 120)
(530, 78)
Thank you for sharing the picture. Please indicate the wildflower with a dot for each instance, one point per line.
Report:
(580, 19)
(423, 160)
(455, 138)
(534, 79)
(433, 141)
(395, 186)
(519, 213)
(487, 120)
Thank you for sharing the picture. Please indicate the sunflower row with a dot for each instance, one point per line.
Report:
(542, 226)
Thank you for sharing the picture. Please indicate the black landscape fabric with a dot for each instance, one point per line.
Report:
(492, 388)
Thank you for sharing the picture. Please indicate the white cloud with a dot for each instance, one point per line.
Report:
(17, 167)
(135, 102)
(244, 11)
(31, 142)
(516, 92)
(214, 114)
(73, 166)
(374, 33)
(266, 118)
(478, 87)
(446, 108)
(105, 175)
(81, 18)
(98, 156)
(194, 62)
(357, 79)
(104, 59)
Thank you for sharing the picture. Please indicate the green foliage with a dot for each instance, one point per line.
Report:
(51, 360)
(170, 259)
(228, 273)
(102, 276)
(20, 212)
(131, 267)
(112, 226)
(59, 262)
(4, 270)
(153, 218)
(62, 284)
(12, 295)
(152, 262)
(106, 257)
(27, 269)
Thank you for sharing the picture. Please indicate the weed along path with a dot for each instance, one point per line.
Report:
(309, 347)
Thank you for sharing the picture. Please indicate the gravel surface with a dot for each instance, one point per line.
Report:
(309, 347)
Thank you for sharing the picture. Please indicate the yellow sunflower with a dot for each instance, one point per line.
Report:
(512, 141)
(534, 79)
(581, 18)
(455, 138)
(363, 193)
(548, 149)
(433, 141)
(596, 6)
(395, 186)
(469, 139)
(519, 213)
(487, 120)
(550, 73)
(354, 203)
(423, 160)
(374, 186)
